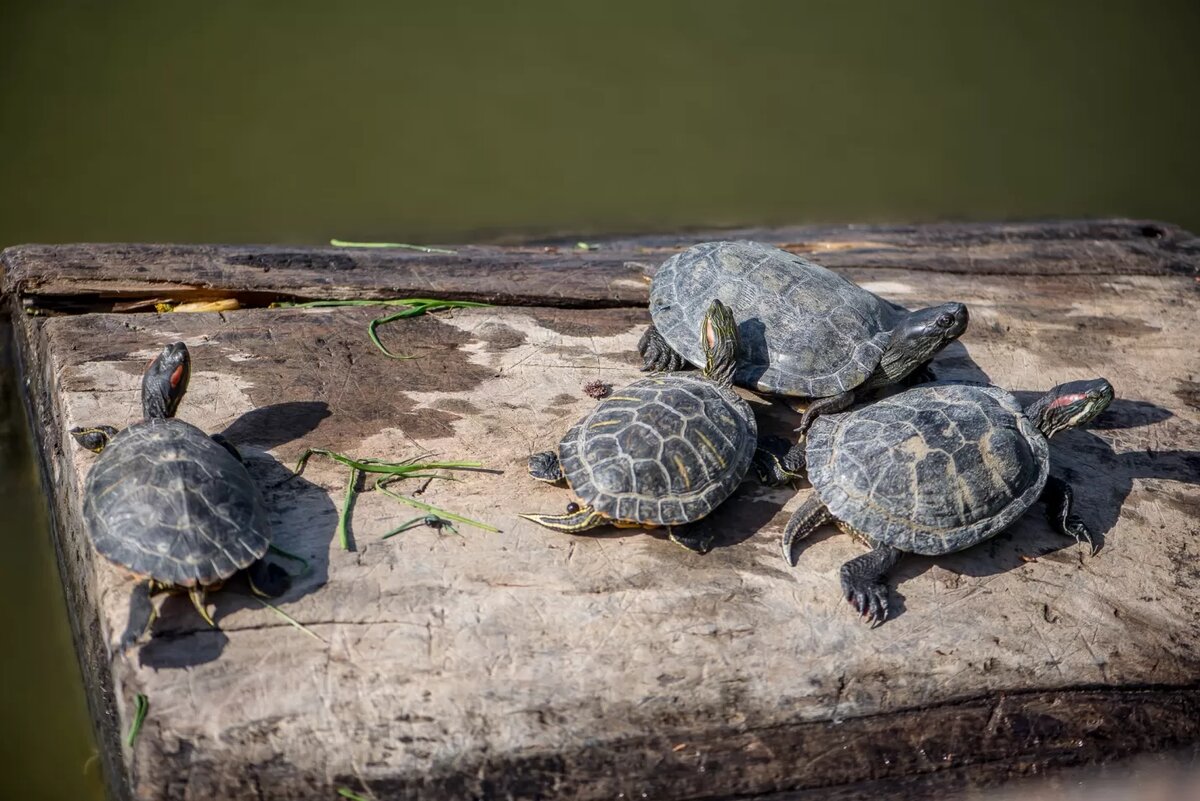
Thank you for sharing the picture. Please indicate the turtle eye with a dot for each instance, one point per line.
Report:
(572, 508)
(945, 321)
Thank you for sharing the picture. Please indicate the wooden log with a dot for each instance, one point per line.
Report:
(531, 664)
(615, 273)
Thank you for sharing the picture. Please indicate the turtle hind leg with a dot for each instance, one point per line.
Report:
(574, 522)
(1059, 498)
(545, 466)
(863, 582)
(196, 595)
(835, 403)
(811, 515)
(657, 355)
(94, 438)
(267, 579)
(695, 538)
(142, 614)
(777, 461)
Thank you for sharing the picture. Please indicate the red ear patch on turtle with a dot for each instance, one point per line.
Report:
(710, 333)
(176, 377)
(1066, 400)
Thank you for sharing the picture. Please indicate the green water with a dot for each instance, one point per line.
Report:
(299, 121)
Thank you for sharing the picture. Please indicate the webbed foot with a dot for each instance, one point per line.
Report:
(657, 355)
(863, 584)
(142, 613)
(694, 538)
(1059, 498)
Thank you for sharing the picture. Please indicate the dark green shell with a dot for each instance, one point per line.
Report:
(166, 501)
(804, 331)
(664, 450)
(932, 470)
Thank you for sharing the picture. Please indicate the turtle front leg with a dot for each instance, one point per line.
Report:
(863, 582)
(835, 403)
(657, 355)
(573, 522)
(811, 515)
(545, 466)
(1059, 498)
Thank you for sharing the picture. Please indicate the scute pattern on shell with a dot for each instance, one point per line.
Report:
(166, 501)
(931, 470)
(665, 450)
(804, 330)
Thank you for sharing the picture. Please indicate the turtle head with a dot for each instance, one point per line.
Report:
(1068, 405)
(919, 336)
(719, 338)
(165, 381)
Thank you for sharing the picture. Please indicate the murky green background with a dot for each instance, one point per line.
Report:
(300, 121)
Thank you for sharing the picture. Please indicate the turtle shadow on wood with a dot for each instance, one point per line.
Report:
(271, 426)
(303, 521)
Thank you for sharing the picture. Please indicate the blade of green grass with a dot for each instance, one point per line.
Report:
(382, 487)
(343, 530)
(305, 568)
(415, 308)
(291, 620)
(341, 243)
(353, 796)
(141, 705)
(405, 526)
(405, 468)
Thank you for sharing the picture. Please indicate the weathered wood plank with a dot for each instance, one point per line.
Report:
(556, 273)
(533, 664)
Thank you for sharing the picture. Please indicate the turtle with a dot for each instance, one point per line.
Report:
(663, 451)
(171, 504)
(805, 331)
(936, 469)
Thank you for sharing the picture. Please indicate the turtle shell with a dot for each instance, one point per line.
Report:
(804, 331)
(166, 501)
(931, 470)
(664, 450)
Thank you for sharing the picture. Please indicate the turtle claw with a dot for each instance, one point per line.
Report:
(657, 355)
(870, 603)
(1075, 527)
